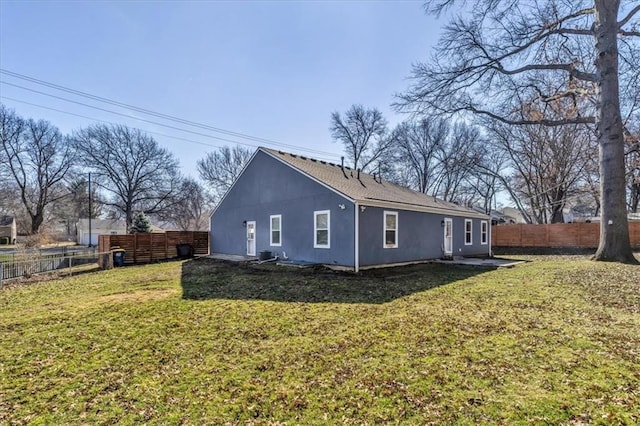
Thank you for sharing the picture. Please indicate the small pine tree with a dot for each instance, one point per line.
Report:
(141, 224)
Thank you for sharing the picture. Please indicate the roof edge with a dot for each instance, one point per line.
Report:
(424, 209)
(316, 180)
(234, 183)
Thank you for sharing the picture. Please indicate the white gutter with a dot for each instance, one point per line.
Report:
(356, 260)
(412, 207)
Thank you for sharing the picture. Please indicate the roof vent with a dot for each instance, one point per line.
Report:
(281, 152)
(313, 159)
(303, 157)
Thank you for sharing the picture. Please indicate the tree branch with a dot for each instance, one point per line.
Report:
(629, 16)
(570, 68)
(544, 122)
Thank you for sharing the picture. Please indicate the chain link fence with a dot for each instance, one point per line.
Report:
(24, 265)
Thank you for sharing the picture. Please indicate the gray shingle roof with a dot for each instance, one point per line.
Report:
(367, 190)
(6, 220)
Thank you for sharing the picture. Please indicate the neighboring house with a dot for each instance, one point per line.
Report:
(497, 217)
(324, 213)
(631, 217)
(8, 230)
(99, 227)
(514, 215)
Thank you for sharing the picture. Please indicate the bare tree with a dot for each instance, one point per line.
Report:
(457, 158)
(492, 63)
(137, 174)
(192, 211)
(69, 210)
(417, 144)
(363, 132)
(38, 159)
(220, 168)
(486, 177)
(547, 163)
(632, 159)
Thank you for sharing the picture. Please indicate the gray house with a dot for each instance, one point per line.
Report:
(324, 213)
(8, 230)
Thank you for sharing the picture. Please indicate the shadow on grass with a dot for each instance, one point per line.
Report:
(206, 278)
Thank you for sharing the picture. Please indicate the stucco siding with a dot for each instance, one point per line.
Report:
(420, 237)
(268, 187)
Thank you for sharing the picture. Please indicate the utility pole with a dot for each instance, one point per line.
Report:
(90, 210)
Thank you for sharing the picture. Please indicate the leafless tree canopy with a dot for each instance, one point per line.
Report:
(137, 174)
(38, 158)
(220, 168)
(437, 157)
(512, 61)
(547, 164)
(70, 209)
(191, 213)
(363, 132)
(632, 160)
(417, 144)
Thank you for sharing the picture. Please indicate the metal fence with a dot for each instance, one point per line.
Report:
(27, 264)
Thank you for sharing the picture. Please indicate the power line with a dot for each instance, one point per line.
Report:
(145, 120)
(154, 113)
(144, 130)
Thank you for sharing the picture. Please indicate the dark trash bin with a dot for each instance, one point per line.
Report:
(118, 256)
(184, 250)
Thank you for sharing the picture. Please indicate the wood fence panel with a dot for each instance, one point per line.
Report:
(146, 248)
(589, 235)
(576, 235)
(634, 234)
(533, 236)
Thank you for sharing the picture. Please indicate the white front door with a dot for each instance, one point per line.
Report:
(251, 238)
(448, 236)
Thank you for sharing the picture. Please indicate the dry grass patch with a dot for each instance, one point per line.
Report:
(208, 342)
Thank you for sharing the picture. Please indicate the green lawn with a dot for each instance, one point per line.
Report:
(555, 340)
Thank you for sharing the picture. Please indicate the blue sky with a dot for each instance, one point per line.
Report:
(271, 69)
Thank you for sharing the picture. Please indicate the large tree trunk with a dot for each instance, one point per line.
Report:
(614, 228)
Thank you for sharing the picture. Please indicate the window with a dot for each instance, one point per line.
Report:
(484, 232)
(276, 230)
(468, 232)
(321, 229)
(390, 230)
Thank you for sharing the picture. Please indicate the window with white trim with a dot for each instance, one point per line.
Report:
(484, 232)
(321, 229)
(390, 230)
(468, 232)
(276, 230)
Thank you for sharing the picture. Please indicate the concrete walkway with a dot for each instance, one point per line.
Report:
(494, 262)
(231, 257)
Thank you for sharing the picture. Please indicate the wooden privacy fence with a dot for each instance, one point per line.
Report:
(579, 235)
(152, 247)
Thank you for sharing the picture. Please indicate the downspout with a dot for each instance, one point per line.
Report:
(489, 236)
(356, 260)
